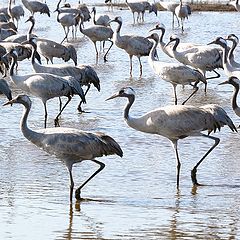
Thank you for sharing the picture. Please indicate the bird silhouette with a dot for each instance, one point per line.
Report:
(68, 144)
(177, 122)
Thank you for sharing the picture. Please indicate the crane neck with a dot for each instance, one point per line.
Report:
(94, 17)
(10, 8)
(28, 133)
(31, 28)
(14, 62)
(230, 53)
(234, 98)
(177, 41)
(162, 35)
(34, 51)
(131, 100)
(153, 51)
(119, 27)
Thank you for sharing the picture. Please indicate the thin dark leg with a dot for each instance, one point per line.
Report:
(140, 66)
(194, 170)
(45, 117)
(175, 93)
(71, 184)
(195, 90)
(174, 144)
(130, 65)
(105, 55)
(56, 119)
(79, 105)
(78, 190)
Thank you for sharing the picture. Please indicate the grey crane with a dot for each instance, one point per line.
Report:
(100, 19)
(98, 33)
(182, 11)
(67, 20)
(182, 46)
(51, 49)
(170, 6)
(228, 68)
(139, 8)
(5, 89)
(134, 45)
(234, 81)
(175, 73)
(19, 38)
(15, 12)
(177, 122)
(36, 6)
(45, 86)
(84, 74)
(203, 57)
(235, 41)
(68, 144)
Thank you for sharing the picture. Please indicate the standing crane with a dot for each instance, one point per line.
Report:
(234, 81)
(15, 12)
(182, 11)
(134, 45)
(177, 122)
(203, 57)
(36, 6)
(139, 8)
(5, 89)
(101, 19)
(175, 73)
(84, 74)
(235, 41)
(98, 33)
(45, 86)
(170, 6)
(68, 144)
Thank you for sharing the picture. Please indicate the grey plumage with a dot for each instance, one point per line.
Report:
(36, 6)
(68, 144)
(177, 122)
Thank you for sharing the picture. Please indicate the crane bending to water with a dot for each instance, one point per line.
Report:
(69, 144)
(177, 122)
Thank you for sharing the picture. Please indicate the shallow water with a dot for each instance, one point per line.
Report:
(134, 197)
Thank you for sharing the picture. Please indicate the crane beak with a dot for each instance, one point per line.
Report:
(113, 96)
(222, 83)
(9, 102)
(213, 42)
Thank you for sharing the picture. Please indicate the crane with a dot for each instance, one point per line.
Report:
(203, 57)
(175, 73)
(170, 6)
(228, 68)
(15, 12)
(45, 86)
(84, 74)
(98, 33)
(68, 144)
(134, 45)
(101, 19)
(5, 89)
(234, 39)
(234, 81)
(139, 8)
(182, 11)
(177, 122)
(36, 6)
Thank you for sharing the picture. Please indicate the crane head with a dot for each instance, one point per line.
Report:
(234, 81)
(22, 99)
(159, 26)
(219, 41)
(123, 92)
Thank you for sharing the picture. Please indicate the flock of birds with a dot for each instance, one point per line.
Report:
(174, 122)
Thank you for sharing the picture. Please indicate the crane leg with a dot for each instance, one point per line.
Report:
(194, 170)
(56, 119)
(140, 64)
(105, 55)
(175, 93)
(79, 105)
(130, 65)
(195, 90)
(45, 117)
(71, 184)
(78, 190)
(174, 144)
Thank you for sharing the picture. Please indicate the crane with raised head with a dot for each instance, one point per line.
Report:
(68, 144)
(176, 122)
